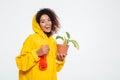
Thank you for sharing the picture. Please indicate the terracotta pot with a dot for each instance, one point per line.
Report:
(62, 49)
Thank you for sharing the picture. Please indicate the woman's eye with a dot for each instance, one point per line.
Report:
(49, 19)
(42, 22)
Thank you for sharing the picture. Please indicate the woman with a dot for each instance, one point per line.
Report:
(45, 23)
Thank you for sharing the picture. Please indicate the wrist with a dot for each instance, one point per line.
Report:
(39, 53)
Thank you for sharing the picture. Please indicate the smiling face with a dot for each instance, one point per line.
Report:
(45, 23)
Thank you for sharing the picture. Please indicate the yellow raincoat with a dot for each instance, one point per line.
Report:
(28, 61)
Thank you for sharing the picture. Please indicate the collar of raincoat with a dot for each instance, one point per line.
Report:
(37, 29)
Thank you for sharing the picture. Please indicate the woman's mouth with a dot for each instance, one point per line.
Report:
(47, 27)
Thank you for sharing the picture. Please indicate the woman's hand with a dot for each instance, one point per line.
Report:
(61, 57)
(44, 49)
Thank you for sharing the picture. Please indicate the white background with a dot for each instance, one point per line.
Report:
(95, 24)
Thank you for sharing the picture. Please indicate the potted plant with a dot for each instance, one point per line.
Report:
(63, 48)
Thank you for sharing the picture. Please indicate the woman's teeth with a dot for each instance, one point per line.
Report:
(47, 27)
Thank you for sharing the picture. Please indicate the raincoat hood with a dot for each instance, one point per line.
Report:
(36, 27)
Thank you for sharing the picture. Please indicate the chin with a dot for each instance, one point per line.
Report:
(47, 31)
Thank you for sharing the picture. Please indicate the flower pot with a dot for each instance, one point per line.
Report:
(62, 48)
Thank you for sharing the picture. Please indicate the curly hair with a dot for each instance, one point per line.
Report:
(53, 17)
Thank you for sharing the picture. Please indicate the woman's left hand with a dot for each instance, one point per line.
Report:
(61, 57)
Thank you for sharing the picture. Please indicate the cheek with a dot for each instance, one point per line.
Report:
(42, 25)
(50, 22)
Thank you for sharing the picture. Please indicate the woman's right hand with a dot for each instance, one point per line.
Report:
(44, 49)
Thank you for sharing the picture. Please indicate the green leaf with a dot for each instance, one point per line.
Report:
(65, 40)
(76, 45)
(59, 37)
(68, 35)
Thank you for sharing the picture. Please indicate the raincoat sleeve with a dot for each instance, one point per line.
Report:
(60, 65)
(28, 57)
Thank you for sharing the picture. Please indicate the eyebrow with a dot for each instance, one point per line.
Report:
(44, 19)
